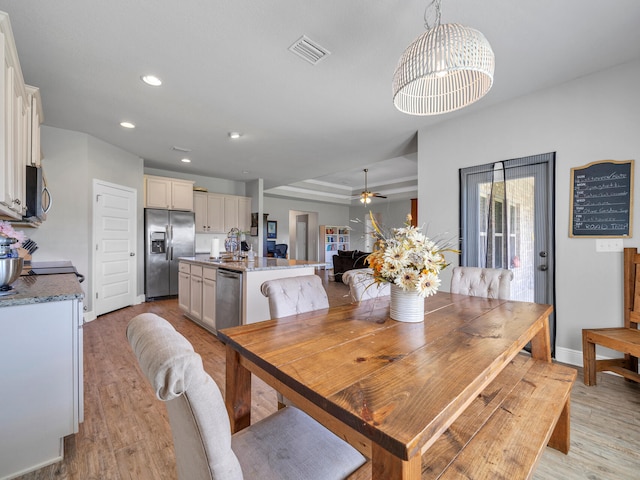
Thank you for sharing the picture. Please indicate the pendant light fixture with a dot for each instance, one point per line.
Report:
(446, 68)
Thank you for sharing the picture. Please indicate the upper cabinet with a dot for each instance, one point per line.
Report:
(34, 156)
(219, 213)
(169, 193)
(20, 118)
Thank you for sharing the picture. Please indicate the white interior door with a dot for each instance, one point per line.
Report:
(114, 225)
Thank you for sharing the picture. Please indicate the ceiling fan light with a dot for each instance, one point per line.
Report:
(446, 68)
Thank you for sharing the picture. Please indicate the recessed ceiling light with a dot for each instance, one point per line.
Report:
(127, 125)
(151, 80)
(234, 135)
(185, 160)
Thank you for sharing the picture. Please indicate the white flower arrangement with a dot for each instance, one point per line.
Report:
(407, 258)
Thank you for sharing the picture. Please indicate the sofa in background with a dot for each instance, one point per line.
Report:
(346, 260)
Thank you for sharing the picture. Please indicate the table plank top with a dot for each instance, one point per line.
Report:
(398, 384)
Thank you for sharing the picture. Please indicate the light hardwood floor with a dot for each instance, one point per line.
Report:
(126, 434)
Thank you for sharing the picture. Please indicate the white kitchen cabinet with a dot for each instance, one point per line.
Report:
(15, 121)
(42, 400)
(230, 213)
(209, 297)
(215, 214)
(244, 214)
(184, 287)
(195, 294)
(219, 213)
(34, 155)
(209, 212)
(169, 193)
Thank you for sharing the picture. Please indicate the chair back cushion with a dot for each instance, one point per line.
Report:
(362, 286)
(197, 414)
(482, 282)
(293, 295)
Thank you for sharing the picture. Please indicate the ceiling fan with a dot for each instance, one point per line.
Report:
(366, 195)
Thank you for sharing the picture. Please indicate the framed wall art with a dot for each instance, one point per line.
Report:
(272, 229)
(602, 199)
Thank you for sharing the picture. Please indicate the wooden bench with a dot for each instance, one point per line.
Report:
(623, 339)
(503, 433)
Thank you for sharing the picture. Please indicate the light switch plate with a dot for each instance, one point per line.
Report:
(609, 245)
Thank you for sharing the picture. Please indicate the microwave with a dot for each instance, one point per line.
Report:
(37, 196)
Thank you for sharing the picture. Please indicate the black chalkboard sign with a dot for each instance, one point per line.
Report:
(602, 199)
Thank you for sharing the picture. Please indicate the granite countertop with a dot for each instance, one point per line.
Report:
(259, 263)
(30, 289)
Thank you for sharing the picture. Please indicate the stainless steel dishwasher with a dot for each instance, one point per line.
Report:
(228, 298)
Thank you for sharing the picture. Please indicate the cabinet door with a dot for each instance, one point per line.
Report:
(230, 213)
(184, 291)
(157, 192)
(34, 155)
(215, 213)
(181, 195)
(11, 131)
(195, 309)
(244, 214)
(209, 302)
(200, 209)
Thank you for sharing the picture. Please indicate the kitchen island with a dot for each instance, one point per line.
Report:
(222, 293)
(41, 362)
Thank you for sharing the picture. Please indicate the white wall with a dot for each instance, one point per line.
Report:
(71, 161)
(589, 119)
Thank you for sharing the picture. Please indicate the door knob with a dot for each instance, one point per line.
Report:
(543, 268)
(543, 254)
(132, 254)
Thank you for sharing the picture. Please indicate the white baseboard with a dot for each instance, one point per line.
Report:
(90, 316)
(574, 357)
(568, 356)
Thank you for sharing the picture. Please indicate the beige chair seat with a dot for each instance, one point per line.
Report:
(286, 445)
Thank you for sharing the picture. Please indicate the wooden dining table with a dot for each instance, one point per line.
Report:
(388, 388)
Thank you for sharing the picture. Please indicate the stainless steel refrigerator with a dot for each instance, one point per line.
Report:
(169, 235)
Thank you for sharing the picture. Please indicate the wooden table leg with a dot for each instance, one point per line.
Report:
(237, 391)
(589, 359)
(385, 466)
(541, 343)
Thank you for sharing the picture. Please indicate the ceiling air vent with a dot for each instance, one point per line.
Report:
(309, 50)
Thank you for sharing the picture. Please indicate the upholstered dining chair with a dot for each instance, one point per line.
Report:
(286, 445)
(293, 295)
(482, 282)
(362, 285)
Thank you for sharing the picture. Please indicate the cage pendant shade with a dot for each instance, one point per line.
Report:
(446, 68)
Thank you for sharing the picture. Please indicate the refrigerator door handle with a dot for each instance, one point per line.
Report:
(168, 242)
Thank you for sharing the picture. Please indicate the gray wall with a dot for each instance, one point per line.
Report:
(589, 119)
(390, 214)
(71, 161)
(328, 214)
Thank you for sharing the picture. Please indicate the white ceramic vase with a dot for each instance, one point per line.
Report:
(406, 306)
